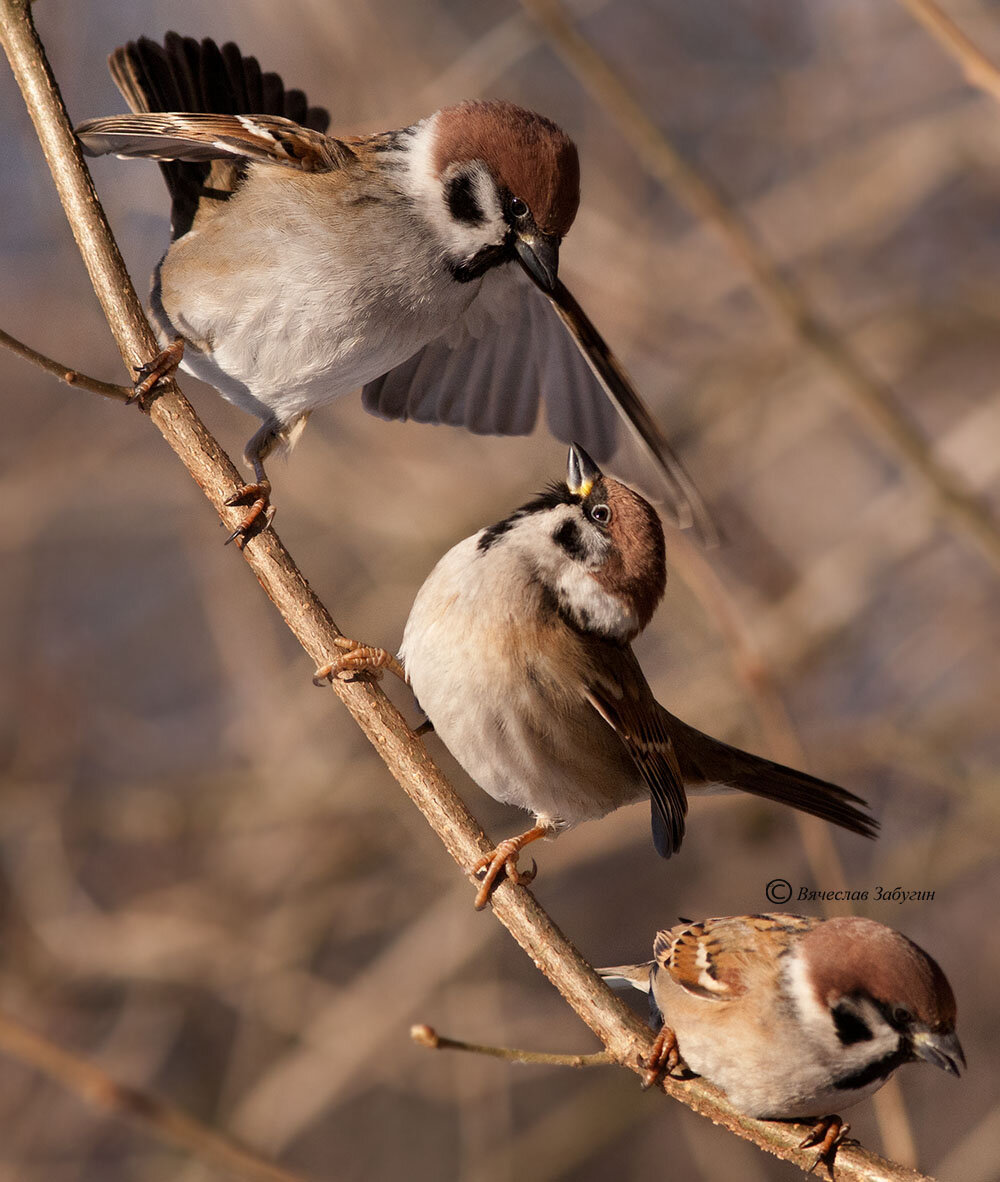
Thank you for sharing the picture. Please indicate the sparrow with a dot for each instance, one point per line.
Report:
(419, 264)
(795, 1017)
(518, 650)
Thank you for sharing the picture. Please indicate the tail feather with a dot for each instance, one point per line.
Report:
(185, 75)
(704, 760)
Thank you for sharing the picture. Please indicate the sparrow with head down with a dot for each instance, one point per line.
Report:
(420, 264)
(795, 1017)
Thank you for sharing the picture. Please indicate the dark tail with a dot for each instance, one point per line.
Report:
(704, 760)
(183, 74)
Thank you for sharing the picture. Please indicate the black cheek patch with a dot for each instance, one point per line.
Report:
(462, 201)
(850, 1028)
(568, 538)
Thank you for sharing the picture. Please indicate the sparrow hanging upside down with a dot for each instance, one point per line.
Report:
(413, 263)
(795, 1017)
(518, 649)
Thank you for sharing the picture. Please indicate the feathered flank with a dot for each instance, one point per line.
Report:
(527, 153)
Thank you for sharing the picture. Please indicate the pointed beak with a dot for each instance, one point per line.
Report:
(538, 254)
(943, 1050)
(581, 471)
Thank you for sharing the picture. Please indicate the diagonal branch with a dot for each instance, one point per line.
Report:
(164, 1121)
(619, 1030)
(977, 68)
(860, 387)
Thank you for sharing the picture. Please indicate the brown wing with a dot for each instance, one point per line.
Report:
(716, 958)
(196, 137)
(188, 77)
(622, 697)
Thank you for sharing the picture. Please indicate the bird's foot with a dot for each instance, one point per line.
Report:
(504, 859)
(829, 1133)
(358, 658)
(150, 375)
(259, 496)
(665, 1056)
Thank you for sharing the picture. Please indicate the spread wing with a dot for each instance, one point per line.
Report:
(488, 372)
(196, 137)
(622, 697)
(515, 347)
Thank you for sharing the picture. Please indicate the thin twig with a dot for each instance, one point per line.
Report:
(862, 389)
(625, 1037)
(164, 1121)
(427, 1036)
(977, 68)
(71, 377)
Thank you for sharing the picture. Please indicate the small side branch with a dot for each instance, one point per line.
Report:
(71, 377)
(427, 1036)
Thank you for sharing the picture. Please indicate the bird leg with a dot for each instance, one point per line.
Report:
(664, 1056)
(148, 376)
(259, 492)
(504, 858)
(829, 1133)
(358, 658)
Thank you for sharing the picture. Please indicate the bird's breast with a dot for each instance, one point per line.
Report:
(305, 288)
(501, 679)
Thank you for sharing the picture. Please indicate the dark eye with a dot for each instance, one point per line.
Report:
(601, 514)
(518, 208)
(902, 1016)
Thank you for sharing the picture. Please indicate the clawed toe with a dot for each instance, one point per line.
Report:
(153, 373)
(504, 860)
(665, 1056)
(357, 659)
(259, 494)
(829, 1133)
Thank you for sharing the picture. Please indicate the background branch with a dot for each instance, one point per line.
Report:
(164, 1121)
(861, 388)
(621, 1032)
(977, 68)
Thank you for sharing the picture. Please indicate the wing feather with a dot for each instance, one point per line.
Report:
(197, 137)
(488, 373)
(621, 696)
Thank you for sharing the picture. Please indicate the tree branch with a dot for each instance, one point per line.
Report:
(620, 1031)
(977, 68)
(861, 388)
(427, 1036)
(71, 377)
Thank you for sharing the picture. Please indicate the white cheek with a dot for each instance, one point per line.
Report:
(596, 610)
(459, 240)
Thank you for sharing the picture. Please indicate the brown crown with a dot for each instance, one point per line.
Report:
(853, 955)
(525, 152)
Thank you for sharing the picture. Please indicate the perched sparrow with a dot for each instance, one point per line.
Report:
(304, 266)
(795, 1017)
(518, 650)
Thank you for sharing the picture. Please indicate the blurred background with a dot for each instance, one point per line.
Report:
(209, 884)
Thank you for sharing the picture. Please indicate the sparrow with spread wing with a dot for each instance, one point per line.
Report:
(419, 264)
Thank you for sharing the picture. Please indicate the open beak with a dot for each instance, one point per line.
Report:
(581, 471)
(538, 254)
(943, 1050)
